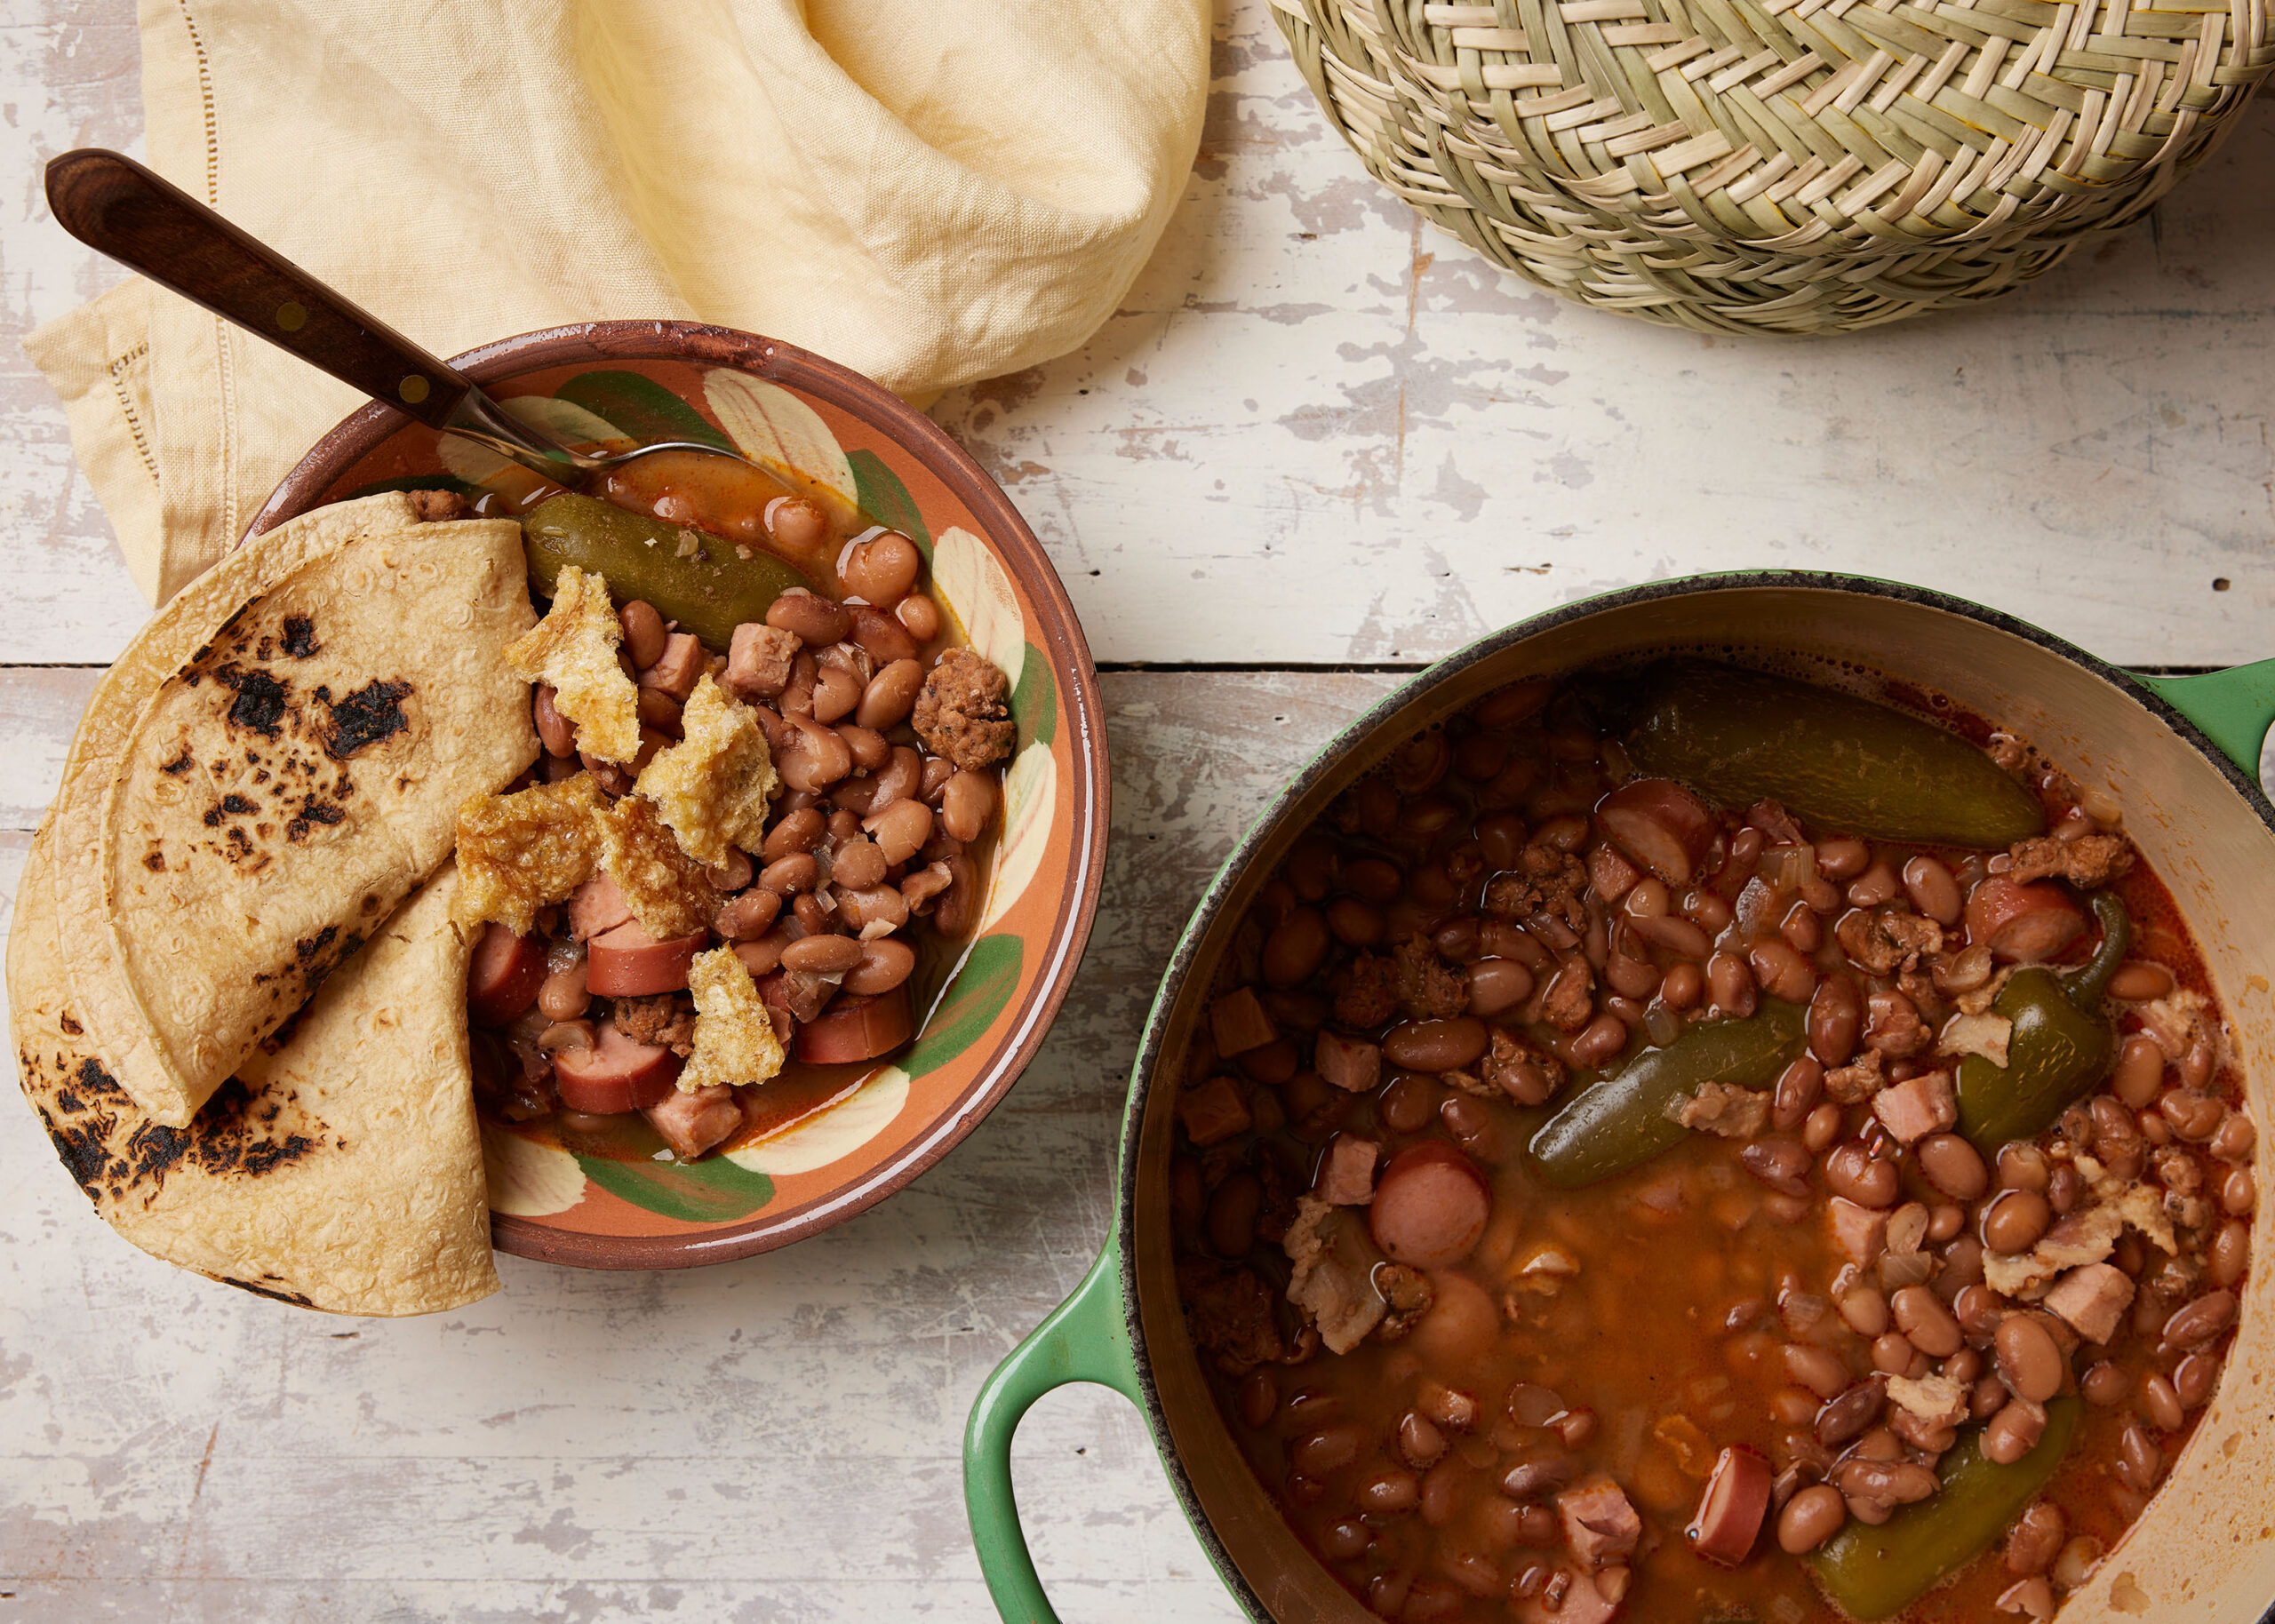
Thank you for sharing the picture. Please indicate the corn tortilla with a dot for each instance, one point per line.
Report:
(276, 760)
(343, 1172)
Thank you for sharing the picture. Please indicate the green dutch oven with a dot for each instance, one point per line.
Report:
(2182, 753)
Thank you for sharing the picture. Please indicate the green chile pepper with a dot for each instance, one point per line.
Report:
(1620, 1121)
(1874, 1572)
(2061, 1046)
(1736, 735)
(710, 592)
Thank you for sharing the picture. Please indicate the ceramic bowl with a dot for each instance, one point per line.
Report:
(2182, 756)
(668, 380)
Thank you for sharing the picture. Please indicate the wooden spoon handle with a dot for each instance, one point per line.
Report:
(115, 206)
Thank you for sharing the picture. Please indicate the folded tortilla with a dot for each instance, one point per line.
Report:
(276, 760)
(343, 1172)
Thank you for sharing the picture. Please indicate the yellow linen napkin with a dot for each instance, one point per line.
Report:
(929, 191)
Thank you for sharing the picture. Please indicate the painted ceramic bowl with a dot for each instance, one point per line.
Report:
(831, 1157)
(2183, 751)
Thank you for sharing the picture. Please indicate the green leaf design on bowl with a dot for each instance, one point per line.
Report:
(983, 985)
(712, 1191)
(1034, 702)
(414, 482)
(884, 499)
(640, 407)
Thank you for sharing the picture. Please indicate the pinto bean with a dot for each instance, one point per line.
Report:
(900, 829)
(815, 621)
(1800, 1086)
(563, 997)
(2198, 1322)
(2029, 1361)
(815, 758)
(1811, 1517)
(966, 802)
(1497, 984)
(1952, 1165)
(1436, 1045)
(1926, 1322)
(558, 733)
(1932, 890)
(890, 696)
(1836, 1020)
(881, 569)
(2014, 1431)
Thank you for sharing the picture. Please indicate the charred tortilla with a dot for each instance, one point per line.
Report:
(274, 763)
(343, 1171)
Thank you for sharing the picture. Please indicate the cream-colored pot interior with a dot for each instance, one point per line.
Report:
(2204, 1551)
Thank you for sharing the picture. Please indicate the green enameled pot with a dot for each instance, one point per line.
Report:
(2180, 753)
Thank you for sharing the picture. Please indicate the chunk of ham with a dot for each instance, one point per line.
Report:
(1938, 1400)
(1239, 1023)
(1333, 1279)
(1214, 1112)
(1347, 1171)
(681, 665)
(1349, 1063)
(1599, 1525)
(1585, 1602)
(2092, 1298)
(692, 1120)
(1860, 1231)
(1918, 1107)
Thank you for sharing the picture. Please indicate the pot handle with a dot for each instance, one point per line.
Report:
(2234, 707)
(1082, 1340)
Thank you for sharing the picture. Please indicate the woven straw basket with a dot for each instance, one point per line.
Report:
(1780, 165)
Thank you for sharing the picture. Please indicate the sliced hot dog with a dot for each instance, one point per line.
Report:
(502, 979)
(1661, 826)
(617, 1074)
(1731, 1509)
(1430, 1205)
(628, 962)
(857, 1029)
(2022, 923)
(692, 1120)
(596, 908)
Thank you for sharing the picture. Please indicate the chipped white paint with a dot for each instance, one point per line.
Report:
(1315, 432)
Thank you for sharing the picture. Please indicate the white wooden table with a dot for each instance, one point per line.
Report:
(1317, 446)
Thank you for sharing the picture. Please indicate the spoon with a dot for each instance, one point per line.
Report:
(147, 224)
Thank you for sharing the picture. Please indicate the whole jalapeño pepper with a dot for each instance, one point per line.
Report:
(2062, 1045)
(1876, 1572)
(1621, 1120)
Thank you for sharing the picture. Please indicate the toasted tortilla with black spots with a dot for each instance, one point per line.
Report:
(273, 764)
(341, 1170)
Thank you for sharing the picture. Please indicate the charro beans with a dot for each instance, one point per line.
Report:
(1483, 883)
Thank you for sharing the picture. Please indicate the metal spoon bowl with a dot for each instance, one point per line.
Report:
(147, 224)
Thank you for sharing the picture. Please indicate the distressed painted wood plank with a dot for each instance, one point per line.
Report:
(771, 1439)
(39, 711)
(1317, 432)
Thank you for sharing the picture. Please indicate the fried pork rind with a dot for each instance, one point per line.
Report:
(714, 785)
(343, 1172)
(734, 1035)
(525, 851)
(573, 651)
(273, 762)
(666, 888)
